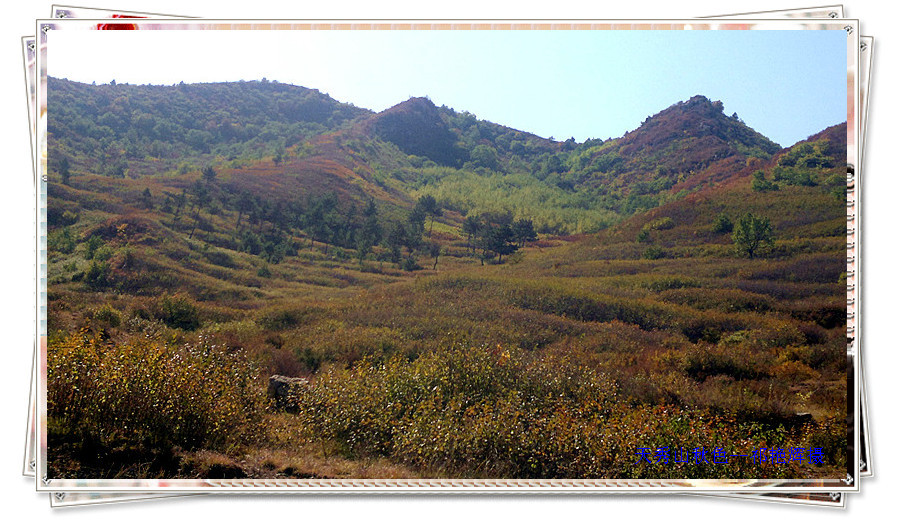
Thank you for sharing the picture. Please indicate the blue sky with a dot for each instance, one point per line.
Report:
(786, 84)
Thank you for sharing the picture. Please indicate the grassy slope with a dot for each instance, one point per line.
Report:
(656, 351)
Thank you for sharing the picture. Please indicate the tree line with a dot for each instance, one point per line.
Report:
(497, 234)
(269, 228)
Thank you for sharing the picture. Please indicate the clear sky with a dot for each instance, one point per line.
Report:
(786, 84)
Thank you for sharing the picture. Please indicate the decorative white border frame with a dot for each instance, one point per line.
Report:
(866, 463)
(834, 500)
(848, 484)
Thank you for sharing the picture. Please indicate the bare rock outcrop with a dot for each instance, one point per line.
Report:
(281, 389)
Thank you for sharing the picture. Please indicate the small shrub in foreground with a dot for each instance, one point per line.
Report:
(146, 393)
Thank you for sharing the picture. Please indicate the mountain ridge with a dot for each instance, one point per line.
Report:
(311, 106)
(288, 133)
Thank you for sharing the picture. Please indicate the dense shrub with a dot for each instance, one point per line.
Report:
(660, 224)
(721, 224)
(477, 410)
(761, 184)
(726, 300)
(106, 316)
(178, 312)
(60, 241)
(126, 229)
(732, 360)
(57, 216)
(93, 243)
(147, 393)
(813, 268)
(654, 253)
(709, 326)
(497, 412)
(220, 258)
(98, 275)
(830, 436)
(563, 302)
(280, 319)
(663, 284)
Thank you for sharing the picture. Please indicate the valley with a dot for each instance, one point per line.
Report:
(465, 300)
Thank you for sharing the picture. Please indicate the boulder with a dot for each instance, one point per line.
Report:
(280, 389)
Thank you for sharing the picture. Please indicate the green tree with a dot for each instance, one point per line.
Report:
(61, 241)
(500, 240)
(371, 233)
(434, 251)
(202, 197)
(97, 276)
(147, 201)
(64, 170)
(178, 312)
(116, 169)
(362, 250)
(495, 236)
(208, 174)
(244, 203)
(321, 218)
(553, 164)
(250, 242)
(760, 183)
(415, 228)
(752, 234)
(92, 245)
(431, 208)
(395, 240)
(523, 231)
(180, 200)
(484, 156)
(471, 227)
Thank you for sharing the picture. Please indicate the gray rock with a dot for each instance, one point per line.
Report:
(281, 388)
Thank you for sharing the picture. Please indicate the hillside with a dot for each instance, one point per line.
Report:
(416, 128)
(415, 148)
(463, 299)
(804, 180)
(677, 151)
(682, 148)
(148, 128)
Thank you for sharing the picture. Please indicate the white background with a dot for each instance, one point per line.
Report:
(881, 498)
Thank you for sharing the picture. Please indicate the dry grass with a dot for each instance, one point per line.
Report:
(696, 348)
